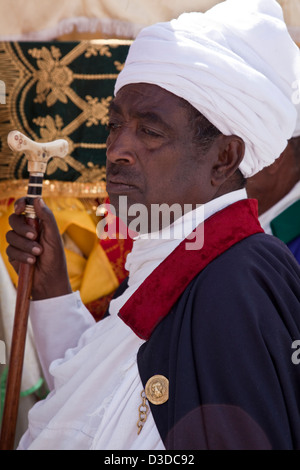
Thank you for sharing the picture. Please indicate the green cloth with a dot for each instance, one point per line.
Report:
(286, 225)
(38, 389)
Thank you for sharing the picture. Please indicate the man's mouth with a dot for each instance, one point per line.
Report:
(118, 185)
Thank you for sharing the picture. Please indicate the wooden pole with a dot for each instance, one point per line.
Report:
(38, 155)
(13, 388)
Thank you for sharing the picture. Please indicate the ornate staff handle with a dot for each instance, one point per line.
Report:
(37, 155)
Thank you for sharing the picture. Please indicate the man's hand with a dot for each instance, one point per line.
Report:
(44, 249)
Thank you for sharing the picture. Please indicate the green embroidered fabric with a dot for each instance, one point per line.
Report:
(59, 90)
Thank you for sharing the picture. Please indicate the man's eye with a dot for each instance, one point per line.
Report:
(150, 132)
(111, 126)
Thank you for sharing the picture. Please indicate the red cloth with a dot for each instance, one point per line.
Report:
(155, 297)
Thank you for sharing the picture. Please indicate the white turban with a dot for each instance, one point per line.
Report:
(236, 64)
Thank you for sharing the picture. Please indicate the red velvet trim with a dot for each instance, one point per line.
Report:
(155, 297)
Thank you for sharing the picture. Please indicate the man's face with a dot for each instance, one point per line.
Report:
(151, 157)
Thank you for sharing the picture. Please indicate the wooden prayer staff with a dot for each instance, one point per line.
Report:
(37, 155)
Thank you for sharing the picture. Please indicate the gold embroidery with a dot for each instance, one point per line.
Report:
(53, 78)
(97, 111)
(118, 65)
(117, 262)
(92, 173)
(95, 49)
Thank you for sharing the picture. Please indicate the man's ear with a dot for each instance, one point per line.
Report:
(231, 153)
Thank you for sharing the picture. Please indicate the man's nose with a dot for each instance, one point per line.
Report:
(120, 146)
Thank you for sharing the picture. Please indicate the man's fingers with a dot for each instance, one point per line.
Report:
(30, 248)
(19, 225)
(48, 222)
(20, 205)
(17, 256)
(43, 212)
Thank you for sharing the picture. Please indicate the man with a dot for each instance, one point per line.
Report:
(277, 189)
(197, 350)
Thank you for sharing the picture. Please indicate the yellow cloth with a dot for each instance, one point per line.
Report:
(89, 269)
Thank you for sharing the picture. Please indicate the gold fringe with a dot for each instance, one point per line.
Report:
(53, 188)
(9, 72)
(10, 75)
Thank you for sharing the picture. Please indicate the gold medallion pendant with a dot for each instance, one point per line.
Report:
(157, 389)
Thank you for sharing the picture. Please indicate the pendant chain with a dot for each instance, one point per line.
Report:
(143, 412)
